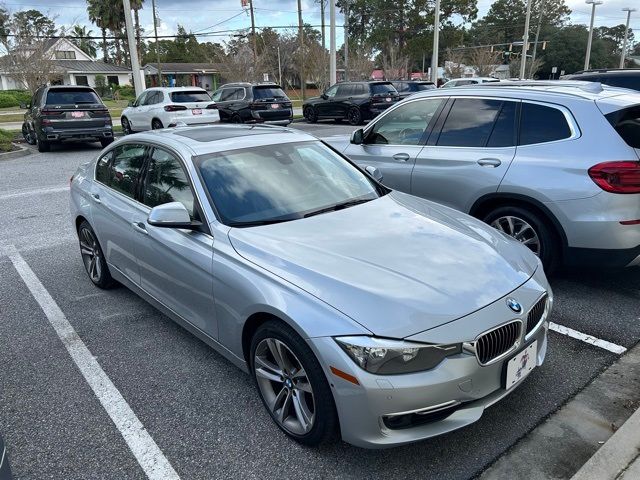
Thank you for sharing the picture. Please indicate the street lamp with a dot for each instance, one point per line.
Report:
(626, 34)
(593, 4)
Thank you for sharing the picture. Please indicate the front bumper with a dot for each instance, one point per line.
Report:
(460, 387)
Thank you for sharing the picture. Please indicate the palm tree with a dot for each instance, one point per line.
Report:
(136, 5)
(97, 10)
(80, 34)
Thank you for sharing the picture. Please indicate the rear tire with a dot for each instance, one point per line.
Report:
(105, 142)
(530, 228)
(43, 145)
(302, 391)
(310, 114)
(28, 135)
(156, 124)
(236, 119)
(354, 116)
(92, 257)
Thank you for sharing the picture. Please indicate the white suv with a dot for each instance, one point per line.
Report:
(166, 106)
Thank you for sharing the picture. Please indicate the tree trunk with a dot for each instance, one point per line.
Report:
(104, 45)
(137, 20)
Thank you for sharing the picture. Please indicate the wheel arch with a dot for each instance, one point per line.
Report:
(251, 325)
(491, 201)
(79, 220)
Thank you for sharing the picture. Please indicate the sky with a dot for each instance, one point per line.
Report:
(219, 15)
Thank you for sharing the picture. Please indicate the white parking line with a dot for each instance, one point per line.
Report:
(144, 448)
(35, 191)
(570, 332)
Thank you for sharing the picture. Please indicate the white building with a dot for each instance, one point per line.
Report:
(74, 67)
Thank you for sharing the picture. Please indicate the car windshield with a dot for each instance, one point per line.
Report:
(378, 88)
(277, 183)
(70, 96)
(261, 93)
(190, 96)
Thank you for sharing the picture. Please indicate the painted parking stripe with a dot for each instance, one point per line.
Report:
(144, 448)
(570, 332)
(35, 191)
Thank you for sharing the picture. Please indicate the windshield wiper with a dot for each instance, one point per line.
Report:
(337, 206)
(255, 223)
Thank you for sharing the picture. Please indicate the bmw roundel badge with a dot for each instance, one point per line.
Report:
(513, 304)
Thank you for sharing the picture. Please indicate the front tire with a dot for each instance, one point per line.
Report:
(354, 116)
(126, 126)
(92, 257)
(292, 384)
(529, 228)
(310, 114)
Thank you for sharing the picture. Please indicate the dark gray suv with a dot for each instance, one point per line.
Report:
(61, 113)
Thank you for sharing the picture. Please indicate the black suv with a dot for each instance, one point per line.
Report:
(353, 101)
(621, 77)
(58, 113)
(253, 103)
(409, 87)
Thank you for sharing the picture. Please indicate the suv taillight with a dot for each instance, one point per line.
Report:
(212, 106)
(174, 108)
(617, 177)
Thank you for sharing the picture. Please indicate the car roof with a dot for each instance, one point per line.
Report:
(207, 139)
(535, 90)
(607, 71)
(175, 89)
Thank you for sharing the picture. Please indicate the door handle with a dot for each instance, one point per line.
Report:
(401, 157)
(489, 162)
(96, 198)
(140, 228)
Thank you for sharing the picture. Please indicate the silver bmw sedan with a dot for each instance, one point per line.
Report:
(360, 312)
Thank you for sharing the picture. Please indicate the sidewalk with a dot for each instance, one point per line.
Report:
(618, 458)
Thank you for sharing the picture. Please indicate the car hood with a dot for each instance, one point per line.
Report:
(397, 265)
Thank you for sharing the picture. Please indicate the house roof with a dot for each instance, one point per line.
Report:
(89, 66)
(152, 68)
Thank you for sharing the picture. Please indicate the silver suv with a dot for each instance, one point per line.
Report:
(554, 164)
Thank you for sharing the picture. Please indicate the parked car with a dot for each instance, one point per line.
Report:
(409, 87)
(254, 103)
(60, 113)
(554, 164)
(357, 310)
(162, 107)
(615, 77)
(461, 82)
(355, 102)
(5, 469)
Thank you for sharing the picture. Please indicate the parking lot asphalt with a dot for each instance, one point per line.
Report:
(203, 413)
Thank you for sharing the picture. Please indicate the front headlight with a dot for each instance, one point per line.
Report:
(389, 357)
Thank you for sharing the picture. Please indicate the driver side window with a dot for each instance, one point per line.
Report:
(139, 101)
(331, 92)
(406, 124)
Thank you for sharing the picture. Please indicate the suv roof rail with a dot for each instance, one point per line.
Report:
(591, 87)
(604, 70)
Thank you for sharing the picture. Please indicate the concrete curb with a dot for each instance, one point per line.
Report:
(21, 152)
(616, 455)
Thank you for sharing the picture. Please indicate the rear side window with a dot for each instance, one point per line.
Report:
(470, 122)
(627, 123)
(190, 96)
(263, 93)
(382, 88)
(540, 124)
(102, 168)
(71, 96)
(125, 168)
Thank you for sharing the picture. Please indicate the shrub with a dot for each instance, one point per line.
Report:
(126, 92)
(6, 138)
(8, 100)
(22, 96)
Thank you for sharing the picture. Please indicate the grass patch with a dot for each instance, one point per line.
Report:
(6, 137)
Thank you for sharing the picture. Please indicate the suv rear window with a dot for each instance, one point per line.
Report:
(622, 81)
(190, 96)
(262, 93)
(70, 96)
(382, 88)
(627, 123)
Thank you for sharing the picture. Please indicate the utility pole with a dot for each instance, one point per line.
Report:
(346, 40)
(535, 44)
(322, 30)
(593, 14)
(133, 51)
(626, 34)
(332, 42)
(525, 44)
(253, 35)
(155, 30)
(279, 68)
(436, 40)
(301, 53)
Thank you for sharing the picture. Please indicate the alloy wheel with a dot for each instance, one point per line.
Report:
(354, 116)
(520, 230)
(90, 252)
(284, 385)
(126, 128)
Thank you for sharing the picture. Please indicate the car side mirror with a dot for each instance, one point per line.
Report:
(374, 172)
(130, 103)
(357, 136)
(171, 215)
(324, 96)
